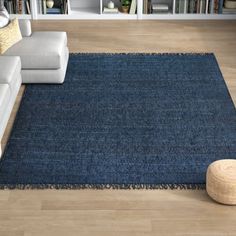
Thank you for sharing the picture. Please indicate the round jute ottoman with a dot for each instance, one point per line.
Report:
(221, 181)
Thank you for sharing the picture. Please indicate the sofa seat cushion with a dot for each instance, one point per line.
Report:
(5, 94)
(42, 50)
(46, 76)
(10, 68)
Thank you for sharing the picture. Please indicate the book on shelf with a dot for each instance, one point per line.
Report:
(182, 6)
(200, 7)
(59, 7)
(53, 10)
(40, 7)
(44, 7)
(147, 7)
(107, 10)
(18, 6)
(191, 9)
(160, 8)
(28, 6)
(220, 6)
(215, 6)
(211, 6)
(9, 6)
(228, 10)
(66, 7)
(133, 7)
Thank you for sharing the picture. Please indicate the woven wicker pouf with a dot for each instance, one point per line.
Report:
(221, 181)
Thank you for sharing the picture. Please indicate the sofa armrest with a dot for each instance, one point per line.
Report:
(25, 28)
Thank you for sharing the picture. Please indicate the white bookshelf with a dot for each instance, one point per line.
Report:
(189, 17)
(25, 16)
(93, 10)
(21, 16)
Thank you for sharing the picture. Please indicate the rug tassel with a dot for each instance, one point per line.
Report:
(105, 186)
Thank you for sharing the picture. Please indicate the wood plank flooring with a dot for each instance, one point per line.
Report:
(139, 212)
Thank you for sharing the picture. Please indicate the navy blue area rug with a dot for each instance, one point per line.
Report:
(123, 121)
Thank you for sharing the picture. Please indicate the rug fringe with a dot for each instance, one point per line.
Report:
(146, 53)
(104, 186)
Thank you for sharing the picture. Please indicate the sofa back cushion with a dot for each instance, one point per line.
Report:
(9, 35)
(25, 27)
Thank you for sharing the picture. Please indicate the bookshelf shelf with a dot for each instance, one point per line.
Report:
(93, 10)
(21, 16)
(19, 9)
(188, 17)
(84, 11)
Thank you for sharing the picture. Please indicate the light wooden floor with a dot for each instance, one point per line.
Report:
(139, 213)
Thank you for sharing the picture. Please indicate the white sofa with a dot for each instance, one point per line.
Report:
(44, 55)
(10, 82)
(40, 57)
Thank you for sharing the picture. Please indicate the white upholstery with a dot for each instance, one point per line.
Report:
(47, 76)
(10, 68)
(10, 82)
(25, 28)
(7, 111)
(5, 94)
(42, 50)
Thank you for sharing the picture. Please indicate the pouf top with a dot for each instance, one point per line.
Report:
(225, 170)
